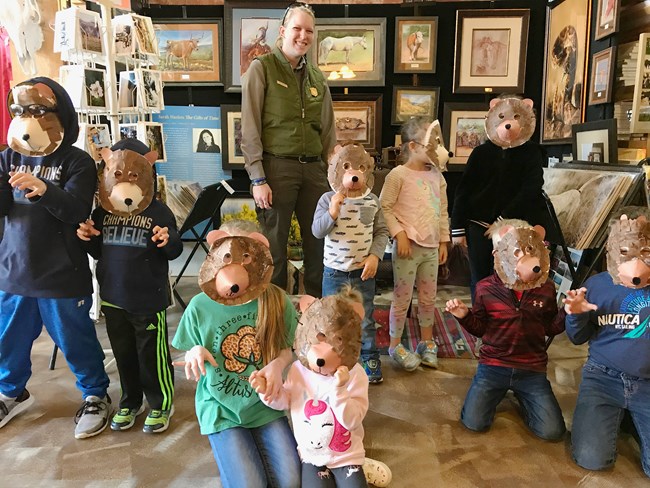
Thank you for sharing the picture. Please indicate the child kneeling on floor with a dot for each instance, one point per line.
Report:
(514, 310)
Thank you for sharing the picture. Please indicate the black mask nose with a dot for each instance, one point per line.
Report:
(128, 202)
(320, 362)
(507, 126)
(355, 179)
(636, 280)
(25, 137)
(451, 154)
(234, 288)
(536, 269)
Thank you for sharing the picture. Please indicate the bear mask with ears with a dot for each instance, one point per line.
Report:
(329, 332)
(350, 170)
(628, 250)
(520, 257)
(237, 269)
(436, 150)
(510, 122)
(126, 185)
(30, 134)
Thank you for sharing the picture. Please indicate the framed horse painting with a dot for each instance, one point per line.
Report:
(249, 31)
(416, 42)
(350, 52)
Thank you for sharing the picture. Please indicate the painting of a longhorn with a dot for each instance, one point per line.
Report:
(356, 43)
(189, 52)
(567, 45)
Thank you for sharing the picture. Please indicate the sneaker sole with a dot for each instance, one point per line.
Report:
(118, 428)
(375, 381)
(24, 405)
(430, 364)
(380, 475)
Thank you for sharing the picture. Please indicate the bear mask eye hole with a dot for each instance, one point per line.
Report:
(362, 168)
(645, 252)
(517, 116)
(501, 116)
(118, 173)
(517, 252)
(246, 259)
(346, 166)
(529, 249)
(227, 258)
(133, 176)
(624, 251)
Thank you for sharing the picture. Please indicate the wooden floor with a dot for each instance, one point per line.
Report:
(412, 426)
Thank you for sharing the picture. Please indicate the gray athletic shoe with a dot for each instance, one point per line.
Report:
(92, 416)
(405, 358)
(10, 407)
(428, 351)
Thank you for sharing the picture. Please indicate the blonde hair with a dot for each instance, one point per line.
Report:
(271, 332)
(291, 9)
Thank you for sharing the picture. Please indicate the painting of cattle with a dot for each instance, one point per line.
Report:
(416, 44)
(189, 52)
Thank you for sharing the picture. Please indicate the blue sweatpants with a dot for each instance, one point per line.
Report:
(70, 327)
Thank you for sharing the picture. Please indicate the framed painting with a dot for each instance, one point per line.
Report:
(414, 101)
(190, 52)
(463, 127)
(607, 17)
(249, 31)
(641, 102)
(563, 89)
(602, 77)
(357, 117)
(232, 155)
(491, 50)
(151, 133)
(150, 90)
(595, 142)
(350, 44)
(416, 43)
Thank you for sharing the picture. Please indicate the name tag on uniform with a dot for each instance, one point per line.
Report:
(313, 91)
(282, 84)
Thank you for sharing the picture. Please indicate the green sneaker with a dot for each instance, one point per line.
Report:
(125, 418)
(157, 421)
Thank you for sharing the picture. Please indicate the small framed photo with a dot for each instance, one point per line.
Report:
(206, 140)
(128, 131)
(151, 133)
(602, 77)
(595, 142)
(463, 127)
(640, 122)
(416, 43)
(412, 101)
(249, 31)
(150, 90)
(232, 156)
(86, 86)
(123, 36)
(190, 52)
(607, 18)
(357, 117)
(356, 43)
(491, 50)
(93, 138)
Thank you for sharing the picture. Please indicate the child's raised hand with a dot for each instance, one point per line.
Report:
(194, 362)
(369, 267)
(335, 204)
(342, 376)
(575, 302)
(457, 308)
(86, 230)
(258, 382)
(160, 235)
(403, 245)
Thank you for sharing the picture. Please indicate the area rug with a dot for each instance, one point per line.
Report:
(453, 341)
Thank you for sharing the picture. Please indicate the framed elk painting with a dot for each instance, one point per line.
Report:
(190, 52)
(416, 44)
(357, 44)
(250, 30)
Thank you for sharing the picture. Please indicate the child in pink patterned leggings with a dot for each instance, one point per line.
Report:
(414, 202)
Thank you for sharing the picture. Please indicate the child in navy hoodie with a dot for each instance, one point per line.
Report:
(133, 236)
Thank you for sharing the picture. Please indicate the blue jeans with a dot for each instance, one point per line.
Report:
(604, 396)
(333, 280)
(539, 406)
(259, 457)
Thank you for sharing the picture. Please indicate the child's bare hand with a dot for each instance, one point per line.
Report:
(35, 187)
(575, 302)
(335, 204)
(194, 363)
(369, 267)
(86, 230)
(258, 382)
(403, 245)
(459, 241)
(342, 376)
(457, 308)
(160, 235)
(443, 252)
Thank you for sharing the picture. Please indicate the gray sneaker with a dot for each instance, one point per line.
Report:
(404, 358)
(428, 351)
(10, 407)
(92, 416)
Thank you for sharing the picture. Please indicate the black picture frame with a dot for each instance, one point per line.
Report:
(595, 142)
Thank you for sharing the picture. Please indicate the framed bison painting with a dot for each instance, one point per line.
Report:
(351, 44)
(416, 44)
(357, 118)
(190, 52)
(491, 50)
